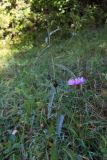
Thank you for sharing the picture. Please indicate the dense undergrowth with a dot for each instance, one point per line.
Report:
(26, 77)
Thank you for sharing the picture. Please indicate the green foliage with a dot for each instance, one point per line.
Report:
(19, 17)
(24, 96)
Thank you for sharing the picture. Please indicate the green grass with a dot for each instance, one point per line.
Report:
(26, 78)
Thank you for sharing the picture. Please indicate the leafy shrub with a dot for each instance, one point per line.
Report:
(19, 17)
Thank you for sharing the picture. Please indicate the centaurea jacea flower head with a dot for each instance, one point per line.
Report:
(76, 81)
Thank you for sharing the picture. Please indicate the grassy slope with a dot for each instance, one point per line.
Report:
(25, 83)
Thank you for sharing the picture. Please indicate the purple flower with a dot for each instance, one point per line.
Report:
(76, 81)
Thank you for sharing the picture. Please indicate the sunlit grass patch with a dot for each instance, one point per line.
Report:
(5, 55)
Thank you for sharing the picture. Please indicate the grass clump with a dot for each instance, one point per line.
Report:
(26, 81)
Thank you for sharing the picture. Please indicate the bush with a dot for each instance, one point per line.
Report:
(19, 17)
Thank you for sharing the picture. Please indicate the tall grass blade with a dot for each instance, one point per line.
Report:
(59, 125)
(51, 99)
(65, 69)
